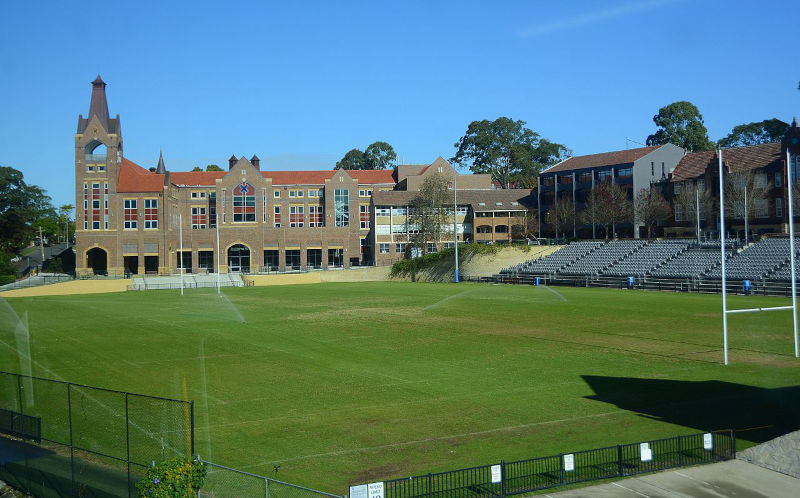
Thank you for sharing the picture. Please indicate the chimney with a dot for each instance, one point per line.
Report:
(256, 162)
(232, 162)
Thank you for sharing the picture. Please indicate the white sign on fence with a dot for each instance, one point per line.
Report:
(708, 441)
(497, 474)
(645, 452)
(359, 491)
(376, 489)
(569, 462)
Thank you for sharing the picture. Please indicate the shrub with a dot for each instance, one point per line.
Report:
(410, 267)
(176, 478)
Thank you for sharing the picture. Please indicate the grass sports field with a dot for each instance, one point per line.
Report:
(348, 383)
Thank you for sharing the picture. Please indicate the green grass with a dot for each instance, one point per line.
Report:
(348, 383)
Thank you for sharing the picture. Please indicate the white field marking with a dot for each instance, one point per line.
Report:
(631, 490)
(555, 292)
(439, 438)
(448, 298)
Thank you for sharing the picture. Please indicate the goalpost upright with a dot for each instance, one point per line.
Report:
(725, 310)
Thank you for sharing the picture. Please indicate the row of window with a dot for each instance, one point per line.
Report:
(130, 213)
(760, 210)
(405, 210)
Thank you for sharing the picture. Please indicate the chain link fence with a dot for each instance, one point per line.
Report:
(225, 482)
(94, 441)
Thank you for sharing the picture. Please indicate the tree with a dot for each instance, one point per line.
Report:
(681, 123)
(197, 168)
(611, 206)
(693, 203)
(652, 208)
(561, 215)
(507, 150)
(378, 155)
(65, 220)
(742, 193)
(767, 131)
(213, 167)
(429, 214)
(21, 205)
(528, 229)
(590, 213)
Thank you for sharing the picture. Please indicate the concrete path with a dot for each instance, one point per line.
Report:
(734, 478)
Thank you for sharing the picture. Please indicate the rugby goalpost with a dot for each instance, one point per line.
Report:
(725, 310)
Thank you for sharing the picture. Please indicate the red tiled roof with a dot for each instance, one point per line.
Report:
(134, 178)
(603, 159)
(694, 164)
(206, 178)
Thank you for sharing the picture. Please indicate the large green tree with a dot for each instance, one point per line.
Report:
(763, 132)
(508, 150)
(377, 155)
(681, 123)
(21, 207)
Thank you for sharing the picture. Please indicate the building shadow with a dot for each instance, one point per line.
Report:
(757, 414)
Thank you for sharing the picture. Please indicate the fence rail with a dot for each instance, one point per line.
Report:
(534, 474)
(756, 287)
(225, 482)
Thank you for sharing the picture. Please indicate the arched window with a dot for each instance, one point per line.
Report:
(501, 229)
(95, 152)
(484, 229)
(97, 260)
(239, 258)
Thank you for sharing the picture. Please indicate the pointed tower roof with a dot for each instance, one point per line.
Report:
(160, 169)
(98, 105)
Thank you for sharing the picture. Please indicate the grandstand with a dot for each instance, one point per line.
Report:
(674, 259)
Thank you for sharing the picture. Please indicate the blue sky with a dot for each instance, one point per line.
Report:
(300, 84)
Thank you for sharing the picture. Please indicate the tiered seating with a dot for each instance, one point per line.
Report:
(689, 264)
(190, 281)
(555, 261)
(645, 259)
(784, 274)
(756, 261)
(602, 258)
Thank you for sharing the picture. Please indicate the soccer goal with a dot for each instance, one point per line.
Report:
(725, 310)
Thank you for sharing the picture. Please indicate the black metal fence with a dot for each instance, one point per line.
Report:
(526, 476)
(757, 287)
(94, 441)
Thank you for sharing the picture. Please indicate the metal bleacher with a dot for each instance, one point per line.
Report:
(756, 261)
(556, 260)
(602, 258)
(647, 258)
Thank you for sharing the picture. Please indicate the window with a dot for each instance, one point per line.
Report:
(130, 213)
(151, 213)
(565, 180)
(276, 219)
(276, 194)
(292, 193)
(501, 229)
(101, 168)
(312, 193)
(676, 189)
(779, 207)
(194, 195)
(663, 173)
(198, 218)
(341, 197)
(244, 203)
(362, 193)
(384, 248)
(432, 247)
(315, 216)
(760, 208)
(384, 210)
(198, 195)
(296, 215)
(90, 168)
(760, 180)
(212, 216)
(484, 229)
(778, 179)
(585, 177)
(701, 184)
(604, 176)
(462, 210)
(363, 214)
(652, 168)
(321, 193)
(96, 204)
(448, 245)
(678, 213)
(625, 172)
(400, 247)
(547, 181)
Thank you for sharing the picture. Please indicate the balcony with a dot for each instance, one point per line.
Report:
(94, 158)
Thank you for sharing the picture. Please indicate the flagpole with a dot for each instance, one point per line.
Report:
(180, 259)
(216, 224)
(455, 218)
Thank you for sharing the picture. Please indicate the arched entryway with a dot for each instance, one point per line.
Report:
(239, 258)
(97, 260)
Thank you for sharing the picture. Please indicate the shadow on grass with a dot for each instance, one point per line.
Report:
(757, 414)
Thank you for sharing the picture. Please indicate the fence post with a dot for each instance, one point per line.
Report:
(128, 442)
(619, 459)
(503, 486)
(191, 422)
(561, 468)
(680, 451)
(733, 443)
(19, 392)
(430, 485)
(71, 442)
(266, 488)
